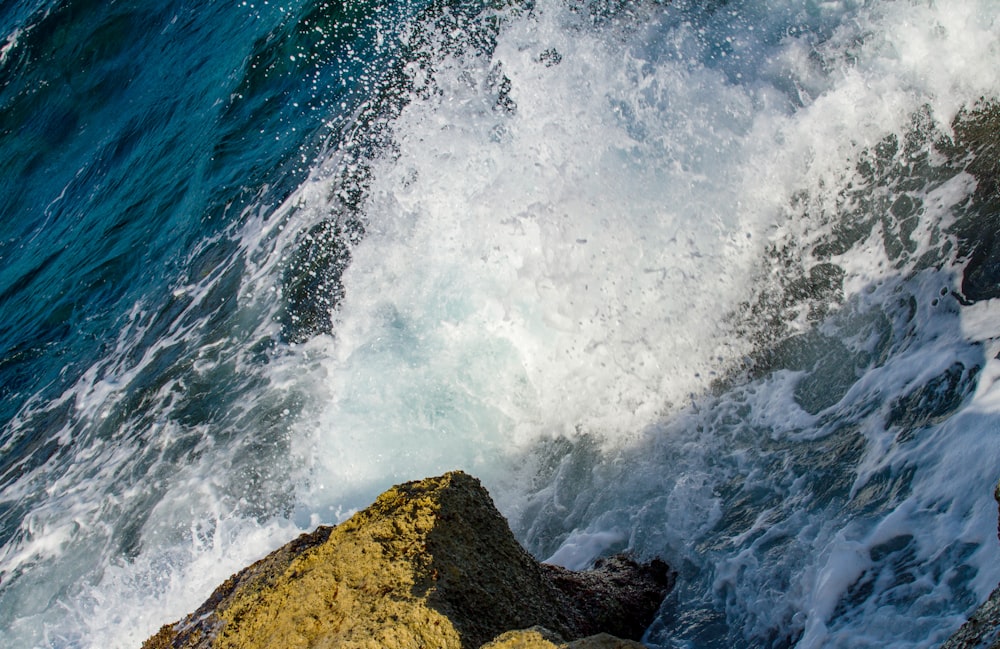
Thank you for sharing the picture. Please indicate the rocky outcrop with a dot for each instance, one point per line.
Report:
(429, 564)
(982, 630)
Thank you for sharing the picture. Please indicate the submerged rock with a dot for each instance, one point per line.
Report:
(982, 630)
(429, 564)
(976, 145)
(312, 283)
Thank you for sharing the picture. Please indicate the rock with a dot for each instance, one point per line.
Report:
(542, 638)
(312, 284)
(537, 637)
(976, 147)
(996, 497)
(982, 629)
(619, 596)
(429, 564)
(604, 641)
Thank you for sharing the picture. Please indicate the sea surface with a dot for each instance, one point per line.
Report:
(712, 281)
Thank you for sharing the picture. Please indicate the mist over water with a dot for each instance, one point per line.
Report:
(685, 280)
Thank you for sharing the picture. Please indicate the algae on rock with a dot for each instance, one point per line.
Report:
(542, 638)
(429, 564)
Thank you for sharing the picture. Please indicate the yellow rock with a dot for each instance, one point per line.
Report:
(542, 638)
(431, 564)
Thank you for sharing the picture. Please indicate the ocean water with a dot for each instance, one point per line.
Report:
(710, 281)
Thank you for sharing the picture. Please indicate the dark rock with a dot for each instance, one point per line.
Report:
(619, 596)
(977, 145)
(312, 281)
(429, 564)
(982, 629)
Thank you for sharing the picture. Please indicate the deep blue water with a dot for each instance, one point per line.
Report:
(708, 281)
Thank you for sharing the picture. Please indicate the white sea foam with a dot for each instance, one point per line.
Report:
(9, 44)
(521, 272)
(562, 271)
(564, 268)
(560, 274)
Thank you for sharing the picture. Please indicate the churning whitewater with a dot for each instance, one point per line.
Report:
(696, 280)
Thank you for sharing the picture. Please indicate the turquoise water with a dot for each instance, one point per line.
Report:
(706, 281)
